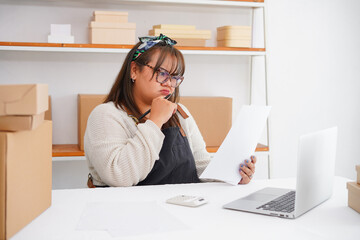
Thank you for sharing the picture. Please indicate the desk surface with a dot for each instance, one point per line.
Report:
(330, 220)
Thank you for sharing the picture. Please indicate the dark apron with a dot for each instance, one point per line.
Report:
(176, 163)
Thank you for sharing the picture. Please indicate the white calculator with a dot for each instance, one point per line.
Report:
(189, 201)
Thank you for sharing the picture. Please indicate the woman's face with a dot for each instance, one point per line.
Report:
(146, 88)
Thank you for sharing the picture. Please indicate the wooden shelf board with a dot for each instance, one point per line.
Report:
(71, 150)
(119, 46)
(66, 150)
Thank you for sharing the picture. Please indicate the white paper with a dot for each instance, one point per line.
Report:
(239, 144)
(122, 219)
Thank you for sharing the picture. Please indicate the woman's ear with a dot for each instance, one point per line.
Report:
(134, 69)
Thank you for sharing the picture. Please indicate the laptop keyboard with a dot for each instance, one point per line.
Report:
(284, 203)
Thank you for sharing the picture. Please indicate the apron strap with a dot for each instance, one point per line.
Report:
(90, 183)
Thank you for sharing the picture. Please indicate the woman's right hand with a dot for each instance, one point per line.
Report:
(161, 110)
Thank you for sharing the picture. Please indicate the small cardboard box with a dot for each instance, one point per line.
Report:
(25, 177)
(112, 33)
(213, 115)
(21, 123)
(234, 43)
(190, 42)
(174, 26)
(358, 173)
(192, 34)
(86, 103)
(354, 195)
(48, 114)
(23, 99)
(111, 16)
(234, 32)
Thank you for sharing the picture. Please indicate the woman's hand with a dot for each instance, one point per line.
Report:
(247, 171)
(161, 110)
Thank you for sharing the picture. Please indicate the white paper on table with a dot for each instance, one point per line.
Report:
(239, 144)
(122, 219)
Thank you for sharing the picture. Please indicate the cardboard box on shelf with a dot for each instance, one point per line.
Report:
(112, 33)
(23, 99)
(358, 173)
(21, 123)
(189, 35)
(234, 43)
(48, 114)
(235, 29)
(190, 42)
(25, 177)
(354, 195)
(111, 16)
(86, 103)
(213, 115)
(174, 26)
(234, 36)
(180, 31)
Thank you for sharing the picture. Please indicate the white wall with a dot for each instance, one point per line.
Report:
(313, 71)
(314, 78)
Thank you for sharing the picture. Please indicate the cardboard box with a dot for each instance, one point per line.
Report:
(112, 33)
(174, 26)
(190, 42)
(170, 34)
(354, 195)
(21, 123)
(23, 99)
(48, 114)
(111, 16)
(213, 116)
(180, 31)
(25, 177)
(86, 103)
(234, 43)
(358, 173)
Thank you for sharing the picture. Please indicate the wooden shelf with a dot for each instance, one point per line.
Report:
(117, 48)
(73, 150)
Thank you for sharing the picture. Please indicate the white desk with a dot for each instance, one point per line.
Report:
(331, 220)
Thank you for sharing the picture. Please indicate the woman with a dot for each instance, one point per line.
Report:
(125, 145)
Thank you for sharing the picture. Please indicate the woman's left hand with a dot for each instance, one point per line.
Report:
(247, 170)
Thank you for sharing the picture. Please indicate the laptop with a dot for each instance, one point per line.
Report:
(314, 182)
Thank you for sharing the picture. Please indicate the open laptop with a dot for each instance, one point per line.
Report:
(314, 184)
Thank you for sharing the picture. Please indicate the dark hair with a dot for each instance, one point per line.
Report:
(121, 92)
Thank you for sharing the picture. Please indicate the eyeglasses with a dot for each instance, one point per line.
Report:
(163, 76)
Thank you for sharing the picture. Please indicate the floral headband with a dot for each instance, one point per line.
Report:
(150, 41)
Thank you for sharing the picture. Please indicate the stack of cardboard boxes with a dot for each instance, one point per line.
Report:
(354, 192)
(234, 36)
(111, 27)
(184, 35)
(25, 156)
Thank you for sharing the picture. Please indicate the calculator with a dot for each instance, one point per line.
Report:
(188, 201)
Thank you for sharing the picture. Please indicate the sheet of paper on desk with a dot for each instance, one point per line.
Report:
(122, 219)
(239, 144)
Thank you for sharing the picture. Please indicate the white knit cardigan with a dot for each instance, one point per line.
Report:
(121, 153)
